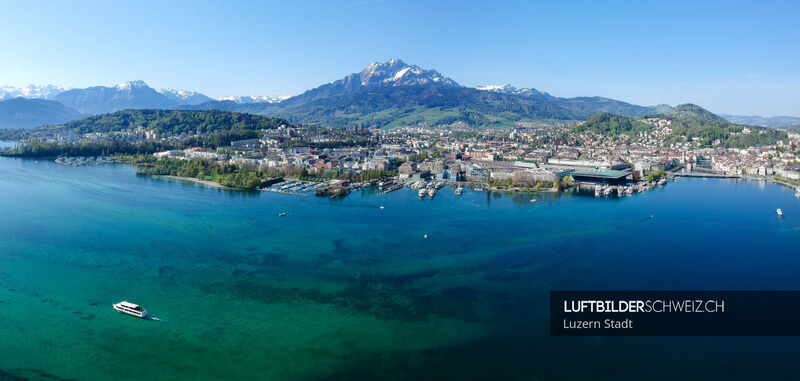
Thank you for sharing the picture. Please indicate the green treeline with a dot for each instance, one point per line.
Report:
(228, 175)
(174, 122)
(44, 149)
(612, 125)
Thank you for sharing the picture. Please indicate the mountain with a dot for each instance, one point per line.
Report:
(102, 99)
(26, 113)
(781, 122)
(429, 104)
(393, 73)
(183, 97)
(31, 91)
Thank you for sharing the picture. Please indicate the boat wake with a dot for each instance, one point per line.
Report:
(153, 318)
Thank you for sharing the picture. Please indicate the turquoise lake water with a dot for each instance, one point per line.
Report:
(342, 289)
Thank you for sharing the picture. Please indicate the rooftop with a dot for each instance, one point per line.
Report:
(595, 172)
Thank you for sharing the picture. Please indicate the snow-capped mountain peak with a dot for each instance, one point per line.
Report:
(132, 85)
(183, 96)
(500, 89)
(508, 89)
(253, 98)
(397, 73)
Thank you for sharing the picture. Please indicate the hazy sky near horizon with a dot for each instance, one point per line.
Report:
(732, 57)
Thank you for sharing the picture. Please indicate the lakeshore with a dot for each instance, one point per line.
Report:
(193, 180)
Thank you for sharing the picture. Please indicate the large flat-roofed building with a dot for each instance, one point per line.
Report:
(594, 175)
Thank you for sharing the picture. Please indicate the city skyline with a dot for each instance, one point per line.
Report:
(732, 58)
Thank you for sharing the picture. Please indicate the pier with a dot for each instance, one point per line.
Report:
(709, 175)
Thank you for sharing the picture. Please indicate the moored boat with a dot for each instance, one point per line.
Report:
(422, 192)
(431, 192)
(131, 309)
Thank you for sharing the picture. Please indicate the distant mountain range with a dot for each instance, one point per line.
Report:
(101, 99)
(66, 105)
(781, 122)
(386, 94)
(31, 91)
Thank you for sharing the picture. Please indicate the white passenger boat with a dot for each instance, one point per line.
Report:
(131, 309)
(422, 192)
(431, 193)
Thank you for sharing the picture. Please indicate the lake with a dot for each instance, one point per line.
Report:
(345, 289)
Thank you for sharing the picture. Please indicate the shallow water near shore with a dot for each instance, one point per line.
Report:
(342, 289)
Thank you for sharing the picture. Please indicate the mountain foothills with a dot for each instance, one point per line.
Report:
(25, 113)
(385, 95)
(684, 123)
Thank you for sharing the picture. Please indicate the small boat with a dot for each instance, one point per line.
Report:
(780, 212)
(533, 200)
(131, 309)
(281, 214)
(459, 190)
(422, 192)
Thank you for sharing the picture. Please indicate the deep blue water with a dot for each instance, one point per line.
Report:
(342, 289)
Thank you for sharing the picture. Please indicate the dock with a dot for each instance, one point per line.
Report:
(283, 192)
(392, 188)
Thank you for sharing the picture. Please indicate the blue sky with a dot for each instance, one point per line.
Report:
(730, 57)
